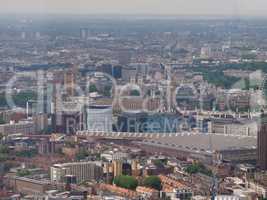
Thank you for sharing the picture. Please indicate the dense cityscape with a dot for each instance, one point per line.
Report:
(118, 108)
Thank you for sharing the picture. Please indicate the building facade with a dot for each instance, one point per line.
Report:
(82, 170)
(99, 118)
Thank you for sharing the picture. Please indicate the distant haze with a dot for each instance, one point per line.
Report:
(134, 7)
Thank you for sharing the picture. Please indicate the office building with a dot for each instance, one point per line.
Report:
(128, 73)
(99, 118)
(83, 171)
(23, 127)
(41, 122)
(67, 122)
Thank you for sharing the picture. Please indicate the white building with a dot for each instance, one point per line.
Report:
(82, 170)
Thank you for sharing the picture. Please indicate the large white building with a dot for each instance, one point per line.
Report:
(83, 171)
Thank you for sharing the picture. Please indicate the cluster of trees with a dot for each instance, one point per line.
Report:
(92, 88)
(127, 182)
(2, 121)
(153, 182)
(23, 172)
(81, 155)
(4, 152)
(160, 163)
(198, 168)
(215, 75)
(105, 92)
(27, 153)
(131, 183)
(134, 93)
(20, 99)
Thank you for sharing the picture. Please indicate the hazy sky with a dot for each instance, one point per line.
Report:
(155, 7)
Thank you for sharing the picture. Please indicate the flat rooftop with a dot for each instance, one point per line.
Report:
(204, 142)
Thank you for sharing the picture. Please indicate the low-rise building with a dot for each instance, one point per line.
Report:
(23, 127)
(147, 193)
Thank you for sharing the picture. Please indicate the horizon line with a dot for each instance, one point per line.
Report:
(138, 15)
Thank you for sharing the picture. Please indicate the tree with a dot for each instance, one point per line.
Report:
(160, 163)
(2, 121)
(198, 168)
(4, 149)
(3, 157)
(22, 98)
(107, 91)
(23, 172)
(192, 169)
(135, 93)
(127, 182)
(82, 154)
(153, 182)
(92, 88)
(27, 153)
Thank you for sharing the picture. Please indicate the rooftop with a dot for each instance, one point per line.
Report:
(204, 142)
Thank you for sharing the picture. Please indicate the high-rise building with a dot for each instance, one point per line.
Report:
(67, 122)
(70, 82)
(206, 52)
(117, 167)
(135, 168)
(115, 71)
(41, 122)
(84, 33)
(262, 142)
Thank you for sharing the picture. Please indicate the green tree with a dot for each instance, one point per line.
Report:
(107, 91)
(198, 168)
(23, 172)
(21, 98)
(92, 88)
(27, 153)
(2, 121)
(160, 163)
(135, 93)
(4, 149)
(127, 182)
(82, 154)
(153, 182)
(3, 157)
(192, 169)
